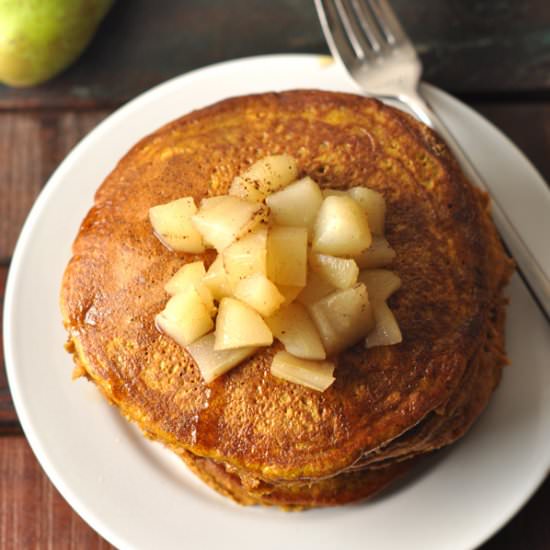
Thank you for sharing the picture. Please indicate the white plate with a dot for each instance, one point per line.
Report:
(138, 495)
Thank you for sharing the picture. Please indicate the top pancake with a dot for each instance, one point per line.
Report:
(448, 257)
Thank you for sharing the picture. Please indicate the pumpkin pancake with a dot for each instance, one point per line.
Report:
(387, 403)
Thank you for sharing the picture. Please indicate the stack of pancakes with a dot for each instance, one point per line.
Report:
(253, 437)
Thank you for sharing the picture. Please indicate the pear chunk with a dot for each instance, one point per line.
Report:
(246, 256)
(296, 205)
(374, 205)
(238, 326)
(341, 227)
(339, 272)
(343, 317)
(213, 363)
(260, 293)
(386, 331)
(293, 326)
(185, 317)
(287, 255)
(317, 287)
(226, 219)
(216, 279)
(379, 254)
(172, 225)
(191, 275)
(264, 177)
(380, 283)
(316, 375)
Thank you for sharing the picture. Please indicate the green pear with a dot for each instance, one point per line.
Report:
(40, 38)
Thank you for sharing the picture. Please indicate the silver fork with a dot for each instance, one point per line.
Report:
(369, 40)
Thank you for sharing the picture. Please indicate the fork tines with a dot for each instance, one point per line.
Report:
(360, 28)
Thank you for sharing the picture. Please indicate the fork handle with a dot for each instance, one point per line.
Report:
(531, 271)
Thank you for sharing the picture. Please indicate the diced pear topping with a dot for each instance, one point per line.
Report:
(287, 255)
(191, 275)
(380, 283)
(185, 317)
(216, 279)
(379, 254)
(259, 293)
(316, 375)
(339, 272)
(386, 331)
(341, 227)
(270, 282)
(246, 256)
(343, 318)
(265, 177)
(228, 219)
(374, 205)
(238, 326)
(296, 205)
(172, 225)
(293, 326)
(317, 287)
(213, 363)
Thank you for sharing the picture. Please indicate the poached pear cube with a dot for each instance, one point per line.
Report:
(259, 293)
(238, 326)
(386, 331)
(191, 274)
(380, 283)
(293, 326)
(374, 205)
(317, 287)
(213, 363)
(185, 317)
(264, 177)
(316, 375)
(341, 227)
(216, 279)
(339, 272)
(379, 254)
(246, 256)
(227, 219)
(343, 317)
(296, 205)
(287, 255)
(173, 226)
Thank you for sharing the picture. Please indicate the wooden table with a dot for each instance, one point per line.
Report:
(495, 56)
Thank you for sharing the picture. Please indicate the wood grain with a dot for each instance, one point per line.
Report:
(8, 418)
(31, 146)
(465, 46)
(32, 513)
(527, 125)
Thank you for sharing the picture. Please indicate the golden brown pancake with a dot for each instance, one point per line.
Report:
(387, 404)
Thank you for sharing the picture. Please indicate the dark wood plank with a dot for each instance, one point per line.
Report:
(474, 47)
(32, 513)
(527, 125)
(31, 145)
(8, 418)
